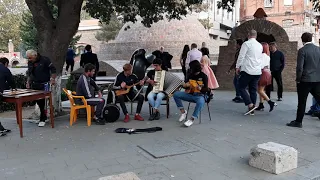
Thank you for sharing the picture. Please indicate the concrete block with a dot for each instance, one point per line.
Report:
(274, 158)
(124, 176)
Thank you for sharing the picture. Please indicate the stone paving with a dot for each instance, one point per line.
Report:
(223, 145)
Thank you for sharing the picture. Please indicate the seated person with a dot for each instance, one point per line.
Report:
(86, 87)
(124, 80)
(6, 81)
(151, 95)
(196, 95)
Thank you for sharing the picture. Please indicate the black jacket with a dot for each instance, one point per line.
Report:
(40, 71)
(308, 64)
(6, 79)
(129, 80)
(166, 59)
(89, 57)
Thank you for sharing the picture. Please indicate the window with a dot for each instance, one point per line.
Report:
(268, 3)
(287, 23)
(287, 2)
(228, 15)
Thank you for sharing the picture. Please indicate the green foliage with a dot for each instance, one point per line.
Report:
(10, 17)
(109, 30)
(206, 23)
(149, 10)
(20, 81)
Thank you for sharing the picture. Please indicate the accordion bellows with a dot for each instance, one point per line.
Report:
(167, 82)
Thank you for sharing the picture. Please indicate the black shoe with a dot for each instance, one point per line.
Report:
(279, 99)
(152, 117)
(295, 124)
(272, 105)
(2, 134)
(237, 99)
(100, 122)
(260, 107)
(157, 115)
(250, 111)
(5, 131)
(309, 113)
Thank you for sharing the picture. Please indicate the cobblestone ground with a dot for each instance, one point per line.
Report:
(88, 153)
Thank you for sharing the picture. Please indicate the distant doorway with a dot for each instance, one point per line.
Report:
(265, 38)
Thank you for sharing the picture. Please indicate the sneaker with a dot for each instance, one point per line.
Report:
(100, 122)
(272, 105)
(41, 124)
(250, 110)
(126, 118)
(260, 107)
(237, 100)
(183, 116)
(138, 117)
(157, 115)
(279, 99)
(2, 134)
(188, 123)
(152, 116)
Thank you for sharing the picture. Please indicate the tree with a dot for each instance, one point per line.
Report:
(56, 32)
(109, 30)
(10, 17)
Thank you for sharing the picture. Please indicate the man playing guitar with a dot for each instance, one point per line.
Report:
(196, 88)
(124, 81)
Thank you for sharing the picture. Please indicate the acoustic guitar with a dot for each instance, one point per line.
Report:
(194, 86)
(125, 91)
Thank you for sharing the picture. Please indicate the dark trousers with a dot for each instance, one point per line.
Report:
(100, 103)
(250, 81)
(184, 71)
(124, 98)
(277, 75)
(1, 127)
(303, 89)
(236, 85)
(41, 102)
(70, 64)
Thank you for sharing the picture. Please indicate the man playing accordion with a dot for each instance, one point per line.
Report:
(196, 89)
(154, 98)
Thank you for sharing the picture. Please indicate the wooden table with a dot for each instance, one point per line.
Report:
(25, 95)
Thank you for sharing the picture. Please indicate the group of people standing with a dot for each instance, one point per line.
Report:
(255, 65)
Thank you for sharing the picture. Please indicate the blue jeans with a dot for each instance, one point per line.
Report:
(155, 103)
(251, 81)
(198, 99)
(315, 106)
(236, 85)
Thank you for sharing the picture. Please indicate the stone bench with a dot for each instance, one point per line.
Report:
(124, 176)
(274, 158)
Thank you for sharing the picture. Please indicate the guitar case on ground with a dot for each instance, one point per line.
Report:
(134, 131)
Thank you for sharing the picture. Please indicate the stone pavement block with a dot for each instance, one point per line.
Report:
(66, 172)
(274, 158)
(124, 176)
(287, 176)
(158, 176)
(45, 167)
(81, 175)
(31, 176)
(96, 163)
(149, 170)
(310, 171)
(121, 168)
(7, 172)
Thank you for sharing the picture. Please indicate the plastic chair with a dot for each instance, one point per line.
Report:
(165, 102)
(74, 108)
(210, 96)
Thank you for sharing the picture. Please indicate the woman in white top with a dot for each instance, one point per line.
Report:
(265, 79)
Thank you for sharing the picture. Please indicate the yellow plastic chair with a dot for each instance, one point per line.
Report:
(74, 108)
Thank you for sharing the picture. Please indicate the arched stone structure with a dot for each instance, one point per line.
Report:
(265, 28)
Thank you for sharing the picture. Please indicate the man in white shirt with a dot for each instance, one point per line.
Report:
(193, 54)
(249, 67)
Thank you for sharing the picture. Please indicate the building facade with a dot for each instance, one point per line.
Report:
(295, 16)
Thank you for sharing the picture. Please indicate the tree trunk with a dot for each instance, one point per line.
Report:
(55, 35)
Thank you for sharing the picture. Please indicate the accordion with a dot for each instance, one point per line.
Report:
(166, 82)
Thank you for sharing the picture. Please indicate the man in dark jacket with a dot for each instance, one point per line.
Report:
(40, 72)
(238, 98)
(91, 58)
(6, 81)
(86, 87)
(70, 59)
(307, 76)
(165, 58)
(276, 67)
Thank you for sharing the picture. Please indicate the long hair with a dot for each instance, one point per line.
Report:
(205, 60)
(185, 51)
(195, 66)
(266, 49)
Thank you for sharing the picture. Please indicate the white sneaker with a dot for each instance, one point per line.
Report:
(183, 116)
(41, 124)
(188, 123)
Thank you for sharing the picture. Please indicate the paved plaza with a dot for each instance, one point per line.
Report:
(219, 149)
